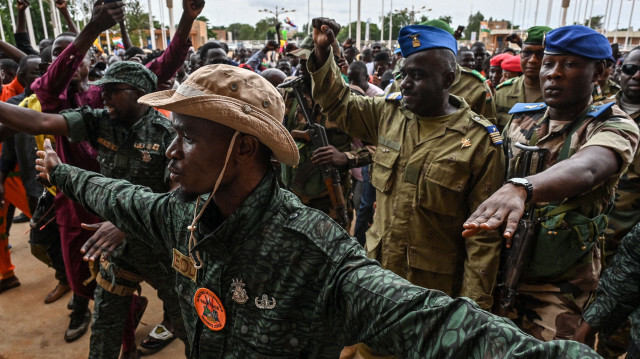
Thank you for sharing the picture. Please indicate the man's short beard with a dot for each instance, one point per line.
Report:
(184, 196)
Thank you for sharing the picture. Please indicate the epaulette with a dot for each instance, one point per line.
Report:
(527, 107)
(598, 110)
(394, 96)
(509, 82)
(496, 138)
(475, 73)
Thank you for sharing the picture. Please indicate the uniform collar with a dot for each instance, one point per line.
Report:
(259, 207)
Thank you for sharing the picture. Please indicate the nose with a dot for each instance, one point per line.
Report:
(554, 72)
(172, 150)
(405, 84)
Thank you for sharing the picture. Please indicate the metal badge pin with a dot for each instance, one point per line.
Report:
(465, 142)
(145, 156)
(265, 303)
(239, 293)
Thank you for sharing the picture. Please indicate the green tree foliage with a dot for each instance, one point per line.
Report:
(241, 31)
(210, 33)
(266, 29)
(596, 22)
(374, 31)
(473, 25)
(137, 20)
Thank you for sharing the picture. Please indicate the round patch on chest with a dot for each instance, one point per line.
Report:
(210, 309)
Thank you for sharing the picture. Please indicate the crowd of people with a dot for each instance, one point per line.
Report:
(322, 200)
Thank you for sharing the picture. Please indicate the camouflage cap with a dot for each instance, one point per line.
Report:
(439, 24)
(131, 73)
(535, 34)
(306, 46)
(236, 98)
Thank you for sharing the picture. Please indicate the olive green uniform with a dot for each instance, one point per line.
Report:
(608, 91)
(473, 87)
(508, 94)
(323, 293)
(429, 175)
(136, 154)
(565, 263)
(305, 179)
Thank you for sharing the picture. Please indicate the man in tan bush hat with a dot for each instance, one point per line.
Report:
(259, 274)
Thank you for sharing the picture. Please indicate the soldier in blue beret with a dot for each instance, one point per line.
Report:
(586, 149)
(435, 160)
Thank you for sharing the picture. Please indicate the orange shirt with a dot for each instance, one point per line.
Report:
(12, 89)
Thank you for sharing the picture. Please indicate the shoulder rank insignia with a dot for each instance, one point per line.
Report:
(596, 111)
(478, 75)
(394, 96)
(495, 134)
(527, 107)
(506, 83)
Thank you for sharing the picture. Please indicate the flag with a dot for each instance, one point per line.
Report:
(484, 27)
(289, 22)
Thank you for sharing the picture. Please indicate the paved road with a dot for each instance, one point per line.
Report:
(31, 329)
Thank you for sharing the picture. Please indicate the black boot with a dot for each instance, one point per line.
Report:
(80, 319)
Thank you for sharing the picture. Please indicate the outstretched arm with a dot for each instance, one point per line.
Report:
(38, 122)
(506, 206)
(126, 41)
(62, 6)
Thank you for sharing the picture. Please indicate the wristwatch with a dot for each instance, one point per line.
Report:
(524, 183)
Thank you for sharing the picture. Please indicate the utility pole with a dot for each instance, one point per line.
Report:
(513, 15)
(152, 29)
(591, 13)
(565, 8)
(162, 33)
(615, 36)
(382, 24)
(350, 18)
(391, 25)
(44, 22)
(549, 13)
(535, 14)
(358, 32)
(626, 39)
(172, 30)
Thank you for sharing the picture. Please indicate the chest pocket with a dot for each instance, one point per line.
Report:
(443, 188)
(264, 336)
(383, 161)
(148, 169)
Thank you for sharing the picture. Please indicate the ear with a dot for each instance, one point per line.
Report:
(248, 147)
(598, 70)
(448, 78)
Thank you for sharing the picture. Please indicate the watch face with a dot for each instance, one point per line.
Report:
(520, 181)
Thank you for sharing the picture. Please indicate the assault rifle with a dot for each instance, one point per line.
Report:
(317, 136)
(522, 239)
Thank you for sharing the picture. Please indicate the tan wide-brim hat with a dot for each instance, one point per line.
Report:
(236, 98)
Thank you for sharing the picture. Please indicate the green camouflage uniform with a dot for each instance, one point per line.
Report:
(138, 155)
(625, 214)
(608, 91)
(426, 184)
(508, 94)
(618, 295)
(323, 292)
(549, 306)
(473, 87)
(305, 179)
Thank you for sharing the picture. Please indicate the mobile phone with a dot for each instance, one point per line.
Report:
(378, 71)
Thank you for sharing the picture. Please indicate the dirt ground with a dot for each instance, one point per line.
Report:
(31, 329)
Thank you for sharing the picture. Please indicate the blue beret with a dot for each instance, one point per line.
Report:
(577, 40)
(416, 38)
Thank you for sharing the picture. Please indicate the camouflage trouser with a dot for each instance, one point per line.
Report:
(551, 311)
(111, 310)
(612, 346)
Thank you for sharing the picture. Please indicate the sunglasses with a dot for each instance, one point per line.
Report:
(630, 69)
(526, 54)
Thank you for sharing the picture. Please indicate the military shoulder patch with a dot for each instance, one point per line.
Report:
(509, 82)
(394, 96)
(527, 107)
(478, 75)
(596, 111)
(495, 135)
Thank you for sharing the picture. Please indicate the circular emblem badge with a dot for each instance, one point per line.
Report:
(210, 309)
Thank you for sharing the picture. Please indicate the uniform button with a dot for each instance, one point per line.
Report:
(264, 339)
(293, 215)
(180, 287)
(293, 342)
(246, 109)
(233, 86)
(244, 329)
